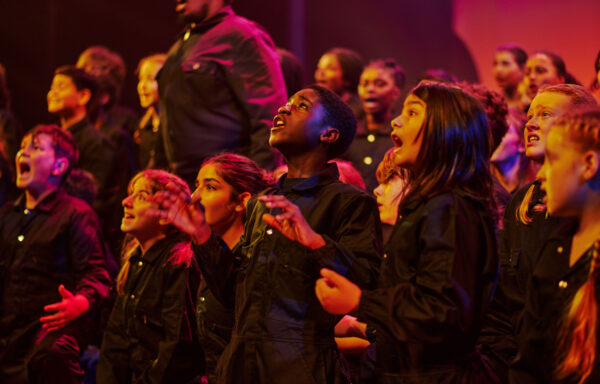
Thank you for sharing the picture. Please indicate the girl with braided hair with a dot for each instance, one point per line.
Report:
(559, 322)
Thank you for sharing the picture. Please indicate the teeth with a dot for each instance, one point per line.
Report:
(533, 138)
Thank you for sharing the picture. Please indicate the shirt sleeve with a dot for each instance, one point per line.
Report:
(440, 300)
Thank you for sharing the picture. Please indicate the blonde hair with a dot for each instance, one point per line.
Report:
(577, 335)
(181, 253)
(580, 98)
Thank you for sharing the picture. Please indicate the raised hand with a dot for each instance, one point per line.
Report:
(290, 222)
(175, 207)
(337, 294)
(70, 308)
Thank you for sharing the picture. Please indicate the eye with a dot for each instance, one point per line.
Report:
(546, 114)
(303, 106)
(210, 187)
(412, 113)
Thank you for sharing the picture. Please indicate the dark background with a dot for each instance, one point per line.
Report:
(37, 36)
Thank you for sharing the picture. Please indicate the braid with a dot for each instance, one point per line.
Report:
(578, 334)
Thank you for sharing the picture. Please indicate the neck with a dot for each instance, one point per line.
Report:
(68, 120)
(306, 165)
(377, 120)
(508, 172)
(232, 234)
(146, 243)
(588, 221)
(32, 198)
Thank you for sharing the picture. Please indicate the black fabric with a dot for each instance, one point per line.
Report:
(281, 333)
(151, 334)
(436, 281)
(219, 90)
(147, 139)
(518, 252)
(372, 144)
(550, 290)
(58, 242)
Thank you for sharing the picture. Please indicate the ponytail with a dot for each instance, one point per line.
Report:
(578, 334)
(522, 212)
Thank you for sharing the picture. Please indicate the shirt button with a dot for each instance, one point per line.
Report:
(26, 211)
(562, 284)
(385, 255)
(370, 138)
(202, 299)
(132, 296)
(20, 238)
(195, 66)
(368, 160)
(269, 231)
(559, 249)
(140, 263)
(187, 35)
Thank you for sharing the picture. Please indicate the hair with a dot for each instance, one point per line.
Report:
(577, 336)
(595, 84)
(157, 58)
(557, 62)
(293, 71)
(240, 172)
(82, 80)
(580, 98)
(81, 184)
(338, 115)
(439, 75)
(517, 52)
(63, 144)
(351, 64)
(391, 65)
(4, 92)
(387, 168)
(495, 108)
(455, 149)
(349, 174)
(181, 253)
(6, 177)
(108, 67)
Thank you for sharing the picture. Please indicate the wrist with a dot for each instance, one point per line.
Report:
(201, 235)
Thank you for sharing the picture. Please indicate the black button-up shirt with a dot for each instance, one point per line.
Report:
(219, 90)
(436, 281)
(281, 332)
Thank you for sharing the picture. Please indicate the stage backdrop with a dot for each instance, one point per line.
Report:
(38, 35)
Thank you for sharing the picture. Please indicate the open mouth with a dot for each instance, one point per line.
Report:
(397, 141)
(128, 216)
(278, 122)
(532, 137)
(24, 169)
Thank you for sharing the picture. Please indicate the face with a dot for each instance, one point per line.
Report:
(388, 199)
(329, 73)
(507, 72)
(406, 133)
(216, 195)
(63, 96)
(136, 220)
(510, 146)
(561, 176)
(377, 90)
(540, 71)
(544, 109)
(36, 162)
(147, 86)
(298, 125)
(193, 10)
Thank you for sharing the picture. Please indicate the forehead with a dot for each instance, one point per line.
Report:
(141, 184)
(149, 67)
(329, 60)
(505, 55)
(414, 100)
(309, 94)
(377, 72)
(42, 139)
(539, 59)
(550, 100)
(62, 79)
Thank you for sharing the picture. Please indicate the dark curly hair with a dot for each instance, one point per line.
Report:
(338, 115)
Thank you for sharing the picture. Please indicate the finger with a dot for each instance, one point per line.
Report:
(50, 318)
(54, 307)
(272, 198)
(272, 221)
(288, 215)
(64, 292)
(320, 287)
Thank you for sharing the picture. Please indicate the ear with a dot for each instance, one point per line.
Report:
(243, 199)
(330, 135)
(61, 165)
(396, 93)
(84, 97)
(591, 165)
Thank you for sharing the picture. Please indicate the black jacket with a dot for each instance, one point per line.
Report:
(436, 281)
(150, 336)
(219, 90)
(550, 290)
(281, 332)
(518, 253)
(58, 242)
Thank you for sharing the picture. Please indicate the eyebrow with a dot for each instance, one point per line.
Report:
(307, 99)
(415, 102)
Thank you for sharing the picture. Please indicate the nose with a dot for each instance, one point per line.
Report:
(378, 190)
(532, 124)
(541, 174)
(196, 196)
(127, 201)
(284, 110)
